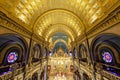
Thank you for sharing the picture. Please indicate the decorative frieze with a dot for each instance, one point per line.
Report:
(13, 26)
(37, 38)
(110, 21)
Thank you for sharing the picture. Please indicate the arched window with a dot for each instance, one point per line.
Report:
(75, 53)
(106, 55)
(37, 51)
(105, 49)
(45, 53)
(12, 55)
(12, 51)
(83, 53)
(50, 53)
(71, 54)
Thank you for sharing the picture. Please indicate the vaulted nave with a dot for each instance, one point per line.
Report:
(59, 39)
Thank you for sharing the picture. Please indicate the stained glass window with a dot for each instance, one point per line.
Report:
(45, 52)
(12, 57)
(107, 57)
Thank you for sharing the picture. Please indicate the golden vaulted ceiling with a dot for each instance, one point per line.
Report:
(47, 17)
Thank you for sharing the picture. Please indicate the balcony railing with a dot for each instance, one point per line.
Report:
(12, 70)
(109, 75)
(108, 71)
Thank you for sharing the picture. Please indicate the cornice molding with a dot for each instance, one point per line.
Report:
(13, 26)
(112, 19)
(9, 24)
(40, 40)
(37, 38)
(80, 39)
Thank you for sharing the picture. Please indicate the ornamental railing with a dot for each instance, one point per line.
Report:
(13, 70)
(108, 71)
(109, 75)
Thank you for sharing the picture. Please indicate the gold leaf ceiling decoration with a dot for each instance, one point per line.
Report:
(61, 19)
(60, 40)
(57, 29)
(27, 10)
(41, 15)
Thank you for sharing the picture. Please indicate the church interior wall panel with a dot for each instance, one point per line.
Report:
(92, 40)
(115, 55)
(114, 29)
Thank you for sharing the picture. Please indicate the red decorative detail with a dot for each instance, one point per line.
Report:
(48, 67)
(71, 68)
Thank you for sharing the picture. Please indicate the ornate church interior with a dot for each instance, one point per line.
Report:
(59, 39)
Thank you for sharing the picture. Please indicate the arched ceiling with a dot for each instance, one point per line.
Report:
(60, 45)
(60, 40)
(29, 10)
(59, 35)
(58, 18)
(47, 17)
(57, 29)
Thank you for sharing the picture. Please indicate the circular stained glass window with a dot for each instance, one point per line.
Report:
(12, 57)
(107, 57)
